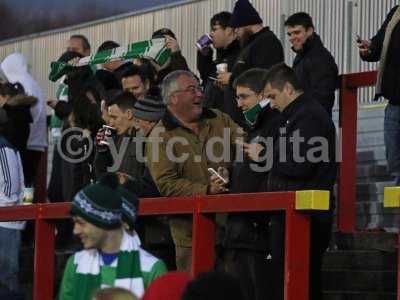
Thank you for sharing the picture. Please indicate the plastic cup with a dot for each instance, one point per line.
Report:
(222, 68)
(28, 196)
(204, 41)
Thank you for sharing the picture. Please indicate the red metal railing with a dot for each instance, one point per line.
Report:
(349, 84)
(297, 233)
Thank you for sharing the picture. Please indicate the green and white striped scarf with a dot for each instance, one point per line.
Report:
(131, 267)
(154, 49)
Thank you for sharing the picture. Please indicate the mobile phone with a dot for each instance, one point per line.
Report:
(211, 171)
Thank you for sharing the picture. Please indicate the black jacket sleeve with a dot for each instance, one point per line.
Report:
(323, 76)
(63, 109)
(205, 64)
(377, 40)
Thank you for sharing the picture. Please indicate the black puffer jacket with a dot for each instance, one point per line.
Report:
(391, 75)
(250, 230)
(317, 71)
(263, 50)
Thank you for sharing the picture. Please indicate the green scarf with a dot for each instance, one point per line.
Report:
(154, 49)
(135, 268)
(251, 114)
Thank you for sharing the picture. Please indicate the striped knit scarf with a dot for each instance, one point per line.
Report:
(382, 62)
(154, 49)
(128, 274)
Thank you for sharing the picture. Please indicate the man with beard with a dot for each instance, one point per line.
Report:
(218, 94)
(260, 46)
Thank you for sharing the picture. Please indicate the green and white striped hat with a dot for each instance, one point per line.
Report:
(99, 205)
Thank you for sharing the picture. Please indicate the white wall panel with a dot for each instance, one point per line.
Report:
(337, 22)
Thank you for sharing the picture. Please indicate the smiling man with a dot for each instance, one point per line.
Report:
(182, 146)
(314, 65)
(111, 257)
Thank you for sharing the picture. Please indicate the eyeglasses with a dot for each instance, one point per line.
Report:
(191, 89)
(241, 97)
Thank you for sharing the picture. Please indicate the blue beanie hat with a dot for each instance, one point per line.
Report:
(244, 14)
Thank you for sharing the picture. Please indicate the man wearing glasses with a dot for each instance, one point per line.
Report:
(246, 237)
(187, 141)
(217, 93)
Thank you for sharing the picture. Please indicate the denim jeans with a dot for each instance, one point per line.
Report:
(392, 139)
(9, 254)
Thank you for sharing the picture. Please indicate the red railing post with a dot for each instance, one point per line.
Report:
(297, 255)
(346, 212)
(43, 282)
(398, 267)
(203, 240)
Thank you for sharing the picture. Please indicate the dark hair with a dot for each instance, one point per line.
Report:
(254, 79)
(107, 45)
(161, 32)
(133, 70)
(280, 74)
(300, 18)
(85, 41)
(214, 285)
(110, 95)
(222, 19)
(148, 68)
(124, 100)
(68, 55)
(86, 113)
(11, 89)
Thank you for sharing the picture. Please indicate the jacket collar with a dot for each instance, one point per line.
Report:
(261, 116)
(171, 122)
(232, 47)
(293, 107)
(313, 41)
(257, 34)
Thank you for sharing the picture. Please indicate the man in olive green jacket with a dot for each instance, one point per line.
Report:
(187, 141)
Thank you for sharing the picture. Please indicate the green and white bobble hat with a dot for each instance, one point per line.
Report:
(99, 205)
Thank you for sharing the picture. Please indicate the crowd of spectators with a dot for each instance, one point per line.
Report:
(130, 129)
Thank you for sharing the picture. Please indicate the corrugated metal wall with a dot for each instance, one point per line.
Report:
(337, 21)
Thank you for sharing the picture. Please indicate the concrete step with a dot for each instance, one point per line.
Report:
(372, 188)
(366, 241)
(351, 295)
(373, 154)
(372, 171)
(360, 260)
(361, 281)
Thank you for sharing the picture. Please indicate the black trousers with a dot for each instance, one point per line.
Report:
(321, 231)
(253, 270)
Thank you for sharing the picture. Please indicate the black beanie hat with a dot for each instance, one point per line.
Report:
(99, 204)
(244, 14)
